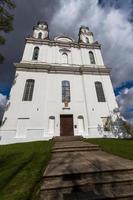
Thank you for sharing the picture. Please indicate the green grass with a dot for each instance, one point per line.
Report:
(21, 169)
(120, 147)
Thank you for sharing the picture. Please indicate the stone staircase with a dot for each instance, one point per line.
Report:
(72, 144)
(79, 170)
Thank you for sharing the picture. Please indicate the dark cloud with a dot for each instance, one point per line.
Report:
(26, 14)
(109, 3)
(117, 4)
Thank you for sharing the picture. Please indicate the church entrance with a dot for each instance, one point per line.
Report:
(66, 125)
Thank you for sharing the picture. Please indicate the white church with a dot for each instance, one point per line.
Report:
(61, 88)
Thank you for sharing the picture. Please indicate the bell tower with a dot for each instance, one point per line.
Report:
(41, 31)
(85, 35)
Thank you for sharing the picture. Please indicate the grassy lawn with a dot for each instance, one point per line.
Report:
(120, 147)
(21, 168)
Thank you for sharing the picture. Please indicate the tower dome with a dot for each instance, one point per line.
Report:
(85, 35)
(41, 30)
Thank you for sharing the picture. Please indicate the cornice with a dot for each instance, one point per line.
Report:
(62, 69)
(63, 44)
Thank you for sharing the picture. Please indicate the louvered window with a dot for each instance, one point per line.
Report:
(92, 59)
(40, 35)
(35, 53)
(87, 40)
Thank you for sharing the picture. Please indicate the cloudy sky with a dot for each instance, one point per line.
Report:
(111, 21)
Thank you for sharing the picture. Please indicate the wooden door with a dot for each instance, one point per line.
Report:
(66, 125)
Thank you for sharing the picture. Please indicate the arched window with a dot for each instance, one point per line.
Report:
(35, 53)
(65, 91)
(40, 35)
(87, 40)
(92, 59)
(28, 90)
(100, 92)
(64, 58)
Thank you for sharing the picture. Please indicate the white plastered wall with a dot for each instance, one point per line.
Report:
(47, 101)
(52, 54)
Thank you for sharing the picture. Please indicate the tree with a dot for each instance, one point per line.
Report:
(128, 128)
(119, 127)
(6, 20)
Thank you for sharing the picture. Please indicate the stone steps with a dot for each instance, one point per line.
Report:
(75, 145)
(72, 180)
(75, 149)
(81, 171)
(119, 192)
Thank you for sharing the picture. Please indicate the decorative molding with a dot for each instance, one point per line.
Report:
(63, 44)
(62, 69)
(64, 50)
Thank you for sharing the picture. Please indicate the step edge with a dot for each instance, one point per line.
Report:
(76, 149)
(67, 147)
(88, 173)
(83, 184)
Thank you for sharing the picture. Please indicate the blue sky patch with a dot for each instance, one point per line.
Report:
(130, 110)
(124, 85)
(5, 91)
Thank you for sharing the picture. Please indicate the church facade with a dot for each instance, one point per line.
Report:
(61, 88)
